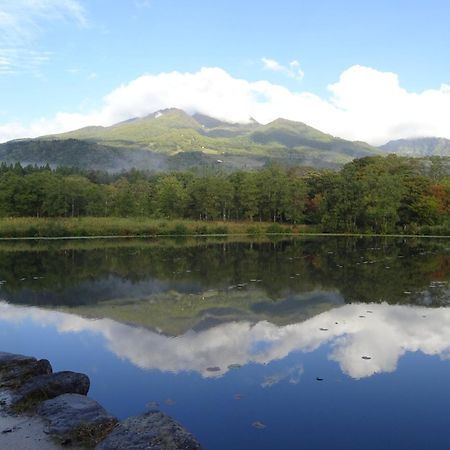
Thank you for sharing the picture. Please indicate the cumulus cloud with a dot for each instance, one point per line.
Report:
(384, 336)
(292, 70)
(363, 104)
(21, 23)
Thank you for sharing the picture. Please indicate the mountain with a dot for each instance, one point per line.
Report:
(173, 139)
(429, 146)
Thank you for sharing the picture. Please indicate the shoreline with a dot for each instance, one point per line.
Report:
(46, 410)
(85, 228)
(26, 433)
(246, 235)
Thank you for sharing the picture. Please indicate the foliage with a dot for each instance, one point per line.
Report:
(372, 195)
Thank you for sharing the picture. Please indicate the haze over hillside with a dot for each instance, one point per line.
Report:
(173, 139)
(426, 146)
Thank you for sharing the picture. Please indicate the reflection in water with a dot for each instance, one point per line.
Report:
(364, 339)
(244, 331)
(360, 269)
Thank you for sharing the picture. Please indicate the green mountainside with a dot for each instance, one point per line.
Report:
(430, 146)
(173, 139)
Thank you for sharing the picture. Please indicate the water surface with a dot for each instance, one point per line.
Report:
(313, 343)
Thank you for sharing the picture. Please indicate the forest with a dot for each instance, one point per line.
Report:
(372, 195)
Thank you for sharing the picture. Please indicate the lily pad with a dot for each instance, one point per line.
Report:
(234, 366)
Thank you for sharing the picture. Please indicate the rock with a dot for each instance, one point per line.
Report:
(76, 419)
(151, 431)
(15, 370)
(68, 411)
(10, 360)
(44, 387)
(14, 376)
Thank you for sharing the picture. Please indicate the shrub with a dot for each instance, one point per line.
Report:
(201, 229)
(220, 229)
(275, 228)
(180, 229)
(253, 230)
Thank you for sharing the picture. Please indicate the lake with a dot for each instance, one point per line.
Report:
(314, 343)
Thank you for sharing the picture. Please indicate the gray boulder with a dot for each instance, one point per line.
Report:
(44, 387)
(151, 431)
(76, 419)
(8, 360)
(12, 376)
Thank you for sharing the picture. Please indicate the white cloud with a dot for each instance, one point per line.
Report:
(292, 70)
(21, 23)
(364, 104)
(384, 336)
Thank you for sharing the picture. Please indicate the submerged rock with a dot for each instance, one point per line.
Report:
(152, 405)
(44, 387)
(258, 425)
(151, 431)
(75, 418)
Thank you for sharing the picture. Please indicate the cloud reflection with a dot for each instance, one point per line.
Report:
(380, 332)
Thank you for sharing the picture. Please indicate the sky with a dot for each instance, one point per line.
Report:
(361, 70)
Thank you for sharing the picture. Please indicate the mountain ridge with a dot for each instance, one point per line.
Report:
(173, 138)
(422, 146)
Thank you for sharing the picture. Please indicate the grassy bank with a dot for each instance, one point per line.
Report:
(21, 227)
(33, 227)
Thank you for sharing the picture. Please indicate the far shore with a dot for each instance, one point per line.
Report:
(86, 228)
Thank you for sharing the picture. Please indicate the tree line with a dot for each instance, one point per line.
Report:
(372, 194)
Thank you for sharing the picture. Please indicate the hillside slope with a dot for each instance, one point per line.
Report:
(171, 138)
(429, 146)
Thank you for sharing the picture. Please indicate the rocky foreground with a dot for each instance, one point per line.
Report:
(41, 409)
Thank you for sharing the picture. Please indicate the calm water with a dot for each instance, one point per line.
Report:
(321, 343)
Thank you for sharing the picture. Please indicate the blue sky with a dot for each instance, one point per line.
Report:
(60, 61)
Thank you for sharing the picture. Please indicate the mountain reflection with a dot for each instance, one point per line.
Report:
(364, 339)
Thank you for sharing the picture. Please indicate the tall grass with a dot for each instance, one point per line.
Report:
(31, 227)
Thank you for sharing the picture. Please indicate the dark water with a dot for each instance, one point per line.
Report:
(319, 343)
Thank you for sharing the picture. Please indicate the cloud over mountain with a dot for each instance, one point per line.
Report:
(364, 104)
(390, 333)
